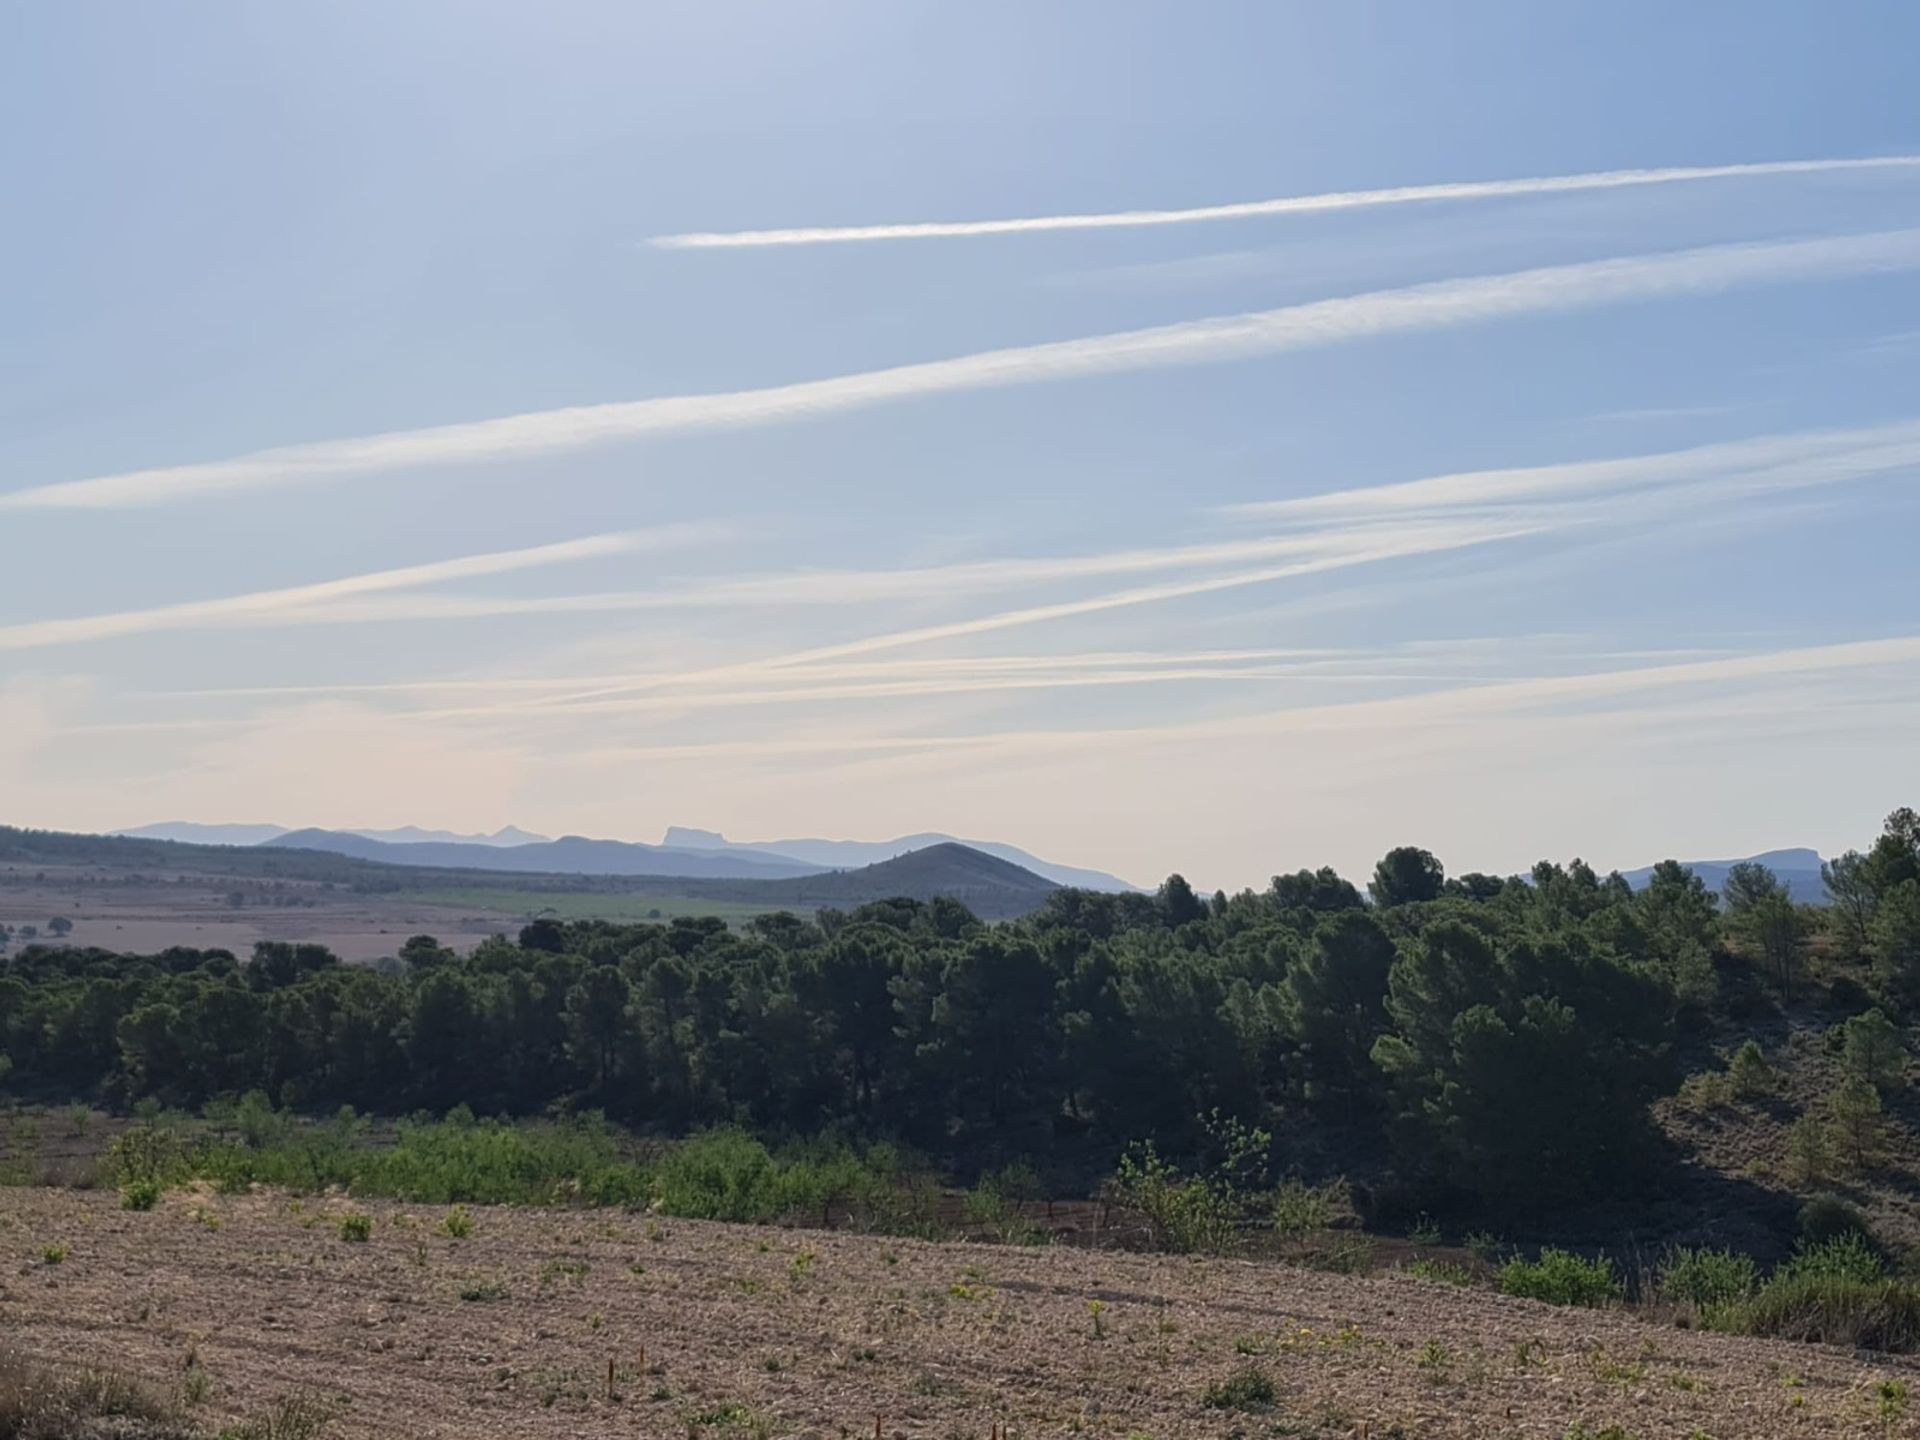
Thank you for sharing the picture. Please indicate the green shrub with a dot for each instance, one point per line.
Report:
(458, 1224)
(357, 1228)
(1826, 1217)
(1300, 1209)
(140, 1194)
(1748, 1074)
(1847, 1256)
(1708, 1279)
(1248, 1388)
(1560, 1277)
(1184, 1213)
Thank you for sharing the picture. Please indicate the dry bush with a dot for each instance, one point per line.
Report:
(39, 1403)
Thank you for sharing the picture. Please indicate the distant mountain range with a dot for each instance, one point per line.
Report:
(1798, 870)
(190, 833)
(684, 854)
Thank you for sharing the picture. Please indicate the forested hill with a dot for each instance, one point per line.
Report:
(992, 888)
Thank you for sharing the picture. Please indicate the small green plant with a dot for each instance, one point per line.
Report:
(357, 1229)
(481, 1292)
(1560, 1277)
(1890, 1397)
(1097, 1308)
(55, 1253)
(1483, 1244)
(195, 1385)
(1444, 1272)
(1300, 1209)
(1424, 1231)
(140, 1194)
(1247, 1388)
(1433, 1356)
(458, 1224)
(802, 1266)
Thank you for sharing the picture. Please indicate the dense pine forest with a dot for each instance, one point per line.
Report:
(1473, 1044)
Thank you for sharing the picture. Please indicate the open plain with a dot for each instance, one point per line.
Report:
(724, 1330)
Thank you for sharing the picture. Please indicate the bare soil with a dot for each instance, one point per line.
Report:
(734, 1330)
(147, 913)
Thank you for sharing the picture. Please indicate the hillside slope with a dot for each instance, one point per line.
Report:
(569, 855)
(731, 1332)
(992, 888)
(845, 854)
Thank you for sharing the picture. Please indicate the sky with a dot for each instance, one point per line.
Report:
(1221, 440)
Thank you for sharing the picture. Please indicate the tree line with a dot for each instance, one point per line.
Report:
(1494, 1039)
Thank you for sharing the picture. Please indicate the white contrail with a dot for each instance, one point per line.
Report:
(1767, 462)
(1436, 305)
(267, 605)
(1254, 209)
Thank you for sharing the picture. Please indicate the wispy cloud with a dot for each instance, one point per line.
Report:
(1444, 707)
(273, 606)
(1436, 305)
(1290, 205)
(1768, 462)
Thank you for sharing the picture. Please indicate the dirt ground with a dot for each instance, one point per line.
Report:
(735, 1330)
(143, 914)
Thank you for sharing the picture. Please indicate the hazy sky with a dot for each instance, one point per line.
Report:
(606, 416)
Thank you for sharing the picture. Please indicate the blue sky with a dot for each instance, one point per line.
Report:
(1031, 560)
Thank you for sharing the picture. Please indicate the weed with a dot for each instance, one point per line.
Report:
(481, 1291)
(356, 1228)
(1425, 1230)
(555, 1271)
(140, 1194)
(1097, 1308)
(731, 1416)
(802, 1266)
(1443, 1271)
(298, 1417)
(1433, 1356)
(1890, 1398)
(195, 1385)
(1248, 1388)
(458, 1224)
(1484, 1245)
(55, 1253)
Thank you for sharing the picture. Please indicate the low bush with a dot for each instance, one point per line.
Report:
(1444, 1272)
(458, 1224)
(1560, 1277)
(1248, 1388)
(1300, 1209)
(1826, 1217)
(1708, 1279)
(1832, 1309)
(1848, 1256)
(140, 1194)
(39, 1403)
(357, 1228)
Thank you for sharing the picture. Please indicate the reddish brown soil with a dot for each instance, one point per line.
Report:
(777, 1332)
